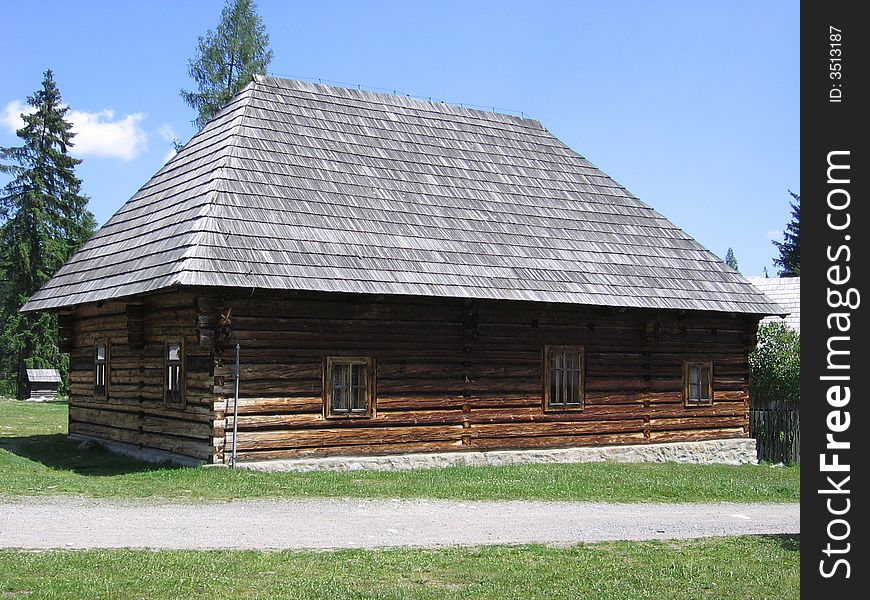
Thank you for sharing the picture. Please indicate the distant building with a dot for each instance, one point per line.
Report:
(785, 291)
(42, 384)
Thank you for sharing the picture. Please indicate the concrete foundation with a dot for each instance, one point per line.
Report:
(731, 452)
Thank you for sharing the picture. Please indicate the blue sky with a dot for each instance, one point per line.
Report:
(693, 106)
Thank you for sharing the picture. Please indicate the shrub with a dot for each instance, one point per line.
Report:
(775, 366)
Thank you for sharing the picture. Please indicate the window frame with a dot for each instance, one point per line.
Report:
(105, 363)
(687, 366)
(329, 363)
(549, 405)
(181, 390)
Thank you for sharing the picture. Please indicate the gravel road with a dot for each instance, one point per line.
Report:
(42, 523)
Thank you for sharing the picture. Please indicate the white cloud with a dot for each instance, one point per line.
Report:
(97, 133)
(11, 116)
(168, 156)
(101, 134)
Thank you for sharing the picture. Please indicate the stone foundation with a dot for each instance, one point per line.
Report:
(730, 452)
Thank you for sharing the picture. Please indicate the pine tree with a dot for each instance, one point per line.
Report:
(731, 260)
(44, 220)
(789, 259)
(227, 58)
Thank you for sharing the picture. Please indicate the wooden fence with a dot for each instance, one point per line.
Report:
(777, 433)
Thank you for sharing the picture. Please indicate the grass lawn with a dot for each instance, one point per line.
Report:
(727, 568)
(37, 459)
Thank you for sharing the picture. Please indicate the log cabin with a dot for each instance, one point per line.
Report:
(400, 276)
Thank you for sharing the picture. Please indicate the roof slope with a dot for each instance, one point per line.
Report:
(786, 292)
(43, 375)
(304, 186)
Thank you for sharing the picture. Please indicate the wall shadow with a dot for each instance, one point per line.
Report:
(57, 451)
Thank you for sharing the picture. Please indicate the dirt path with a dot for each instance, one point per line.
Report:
(40, 523)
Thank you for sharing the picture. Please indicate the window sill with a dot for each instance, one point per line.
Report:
(693, 404)
(346, 417)
(561, 408)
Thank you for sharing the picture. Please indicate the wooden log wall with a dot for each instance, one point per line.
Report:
(133, 410)
(466, 375)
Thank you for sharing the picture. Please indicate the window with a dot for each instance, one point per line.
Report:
(173, 374)
(563, 377)
(698, 383)
(101, 368)
(349, 387)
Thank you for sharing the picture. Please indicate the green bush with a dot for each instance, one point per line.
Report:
(775, 366)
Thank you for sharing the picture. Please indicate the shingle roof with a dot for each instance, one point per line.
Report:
(786, 292)
(303, 186)
(43, 375)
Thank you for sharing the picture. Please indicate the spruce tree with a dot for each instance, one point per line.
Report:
(44, 220)
(789, 260)
(731, 260)
(227, 59)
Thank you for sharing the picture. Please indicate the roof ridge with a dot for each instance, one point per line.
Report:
(425, 103)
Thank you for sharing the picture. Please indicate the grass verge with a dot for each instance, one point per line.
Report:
(36, 458)
(726, 568)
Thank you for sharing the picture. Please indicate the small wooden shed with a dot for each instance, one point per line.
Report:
(401, 275)
(42, 384)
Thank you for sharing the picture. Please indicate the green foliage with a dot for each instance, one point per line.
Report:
(789, 261)
(775, 366)
(44, 220)
(731, 260)
(227, 59)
